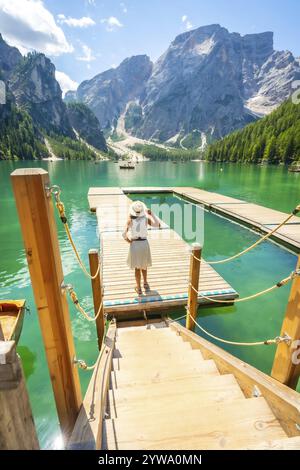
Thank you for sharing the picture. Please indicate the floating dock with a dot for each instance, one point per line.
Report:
(254, 216)
(168, 277)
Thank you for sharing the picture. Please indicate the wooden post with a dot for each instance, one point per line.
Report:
(97, 288)
(286, 367)
(17, 430)
(193, 283)
(36, 214)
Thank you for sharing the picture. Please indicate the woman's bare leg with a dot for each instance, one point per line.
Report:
(145, 274)
(138, 278)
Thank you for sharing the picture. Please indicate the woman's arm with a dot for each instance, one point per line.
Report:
(125, 233)
(152, 219)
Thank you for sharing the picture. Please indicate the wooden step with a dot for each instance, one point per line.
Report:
(153, 398)
(133, 377)
(245, 422)
(145, 334)
(292, 443)
(149, 327)
(150, 353)
(174, 356)
(151, 343)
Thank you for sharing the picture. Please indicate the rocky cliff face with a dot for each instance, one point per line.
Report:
(85, 123)
(10, 57)
(36, 90)
(108, 93)
(209, 80)
(215, 82)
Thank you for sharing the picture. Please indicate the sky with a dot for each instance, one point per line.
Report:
(86, 37)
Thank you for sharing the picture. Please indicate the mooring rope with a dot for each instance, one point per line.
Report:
(249, 297)
(277, 340)
(56, 191)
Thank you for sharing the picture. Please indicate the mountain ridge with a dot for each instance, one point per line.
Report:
(209, 80)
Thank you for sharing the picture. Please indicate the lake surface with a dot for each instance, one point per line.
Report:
(252, 321)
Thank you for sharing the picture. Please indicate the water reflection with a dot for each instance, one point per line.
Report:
(28, 358)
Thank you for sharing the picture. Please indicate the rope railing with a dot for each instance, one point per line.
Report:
(81, 363)
(73, 296)
(277, 340)
(257, 243)
(279, 284)
(56, 191)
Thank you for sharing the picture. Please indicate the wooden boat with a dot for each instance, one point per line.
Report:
(127, 166)
(11, 319)
(294, 169)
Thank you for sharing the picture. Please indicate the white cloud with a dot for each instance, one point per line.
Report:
(83, 22)
(123, 7)
(187, 23)
(66, 83)
(112, 23)
(28, 25)
(87, 54)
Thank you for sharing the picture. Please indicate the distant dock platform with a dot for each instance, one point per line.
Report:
(168, 277)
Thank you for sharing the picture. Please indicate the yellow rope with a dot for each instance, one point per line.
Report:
(80, 309)
(276, 340)
(62, 213)
(258, 242)
(250, 297)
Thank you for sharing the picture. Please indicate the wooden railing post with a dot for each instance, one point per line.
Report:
(36, 215)
(17, 429)
(97, 288)
(286, 366)
(193, 285)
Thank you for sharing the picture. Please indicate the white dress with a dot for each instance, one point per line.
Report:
(139, 256)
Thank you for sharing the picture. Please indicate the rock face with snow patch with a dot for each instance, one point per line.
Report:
(215, 82)
(209, 80)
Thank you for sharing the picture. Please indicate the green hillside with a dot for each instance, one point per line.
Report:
(273, 139)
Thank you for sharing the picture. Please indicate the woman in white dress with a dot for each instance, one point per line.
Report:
(136, 233)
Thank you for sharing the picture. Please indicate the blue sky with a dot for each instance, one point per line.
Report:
(85, 37)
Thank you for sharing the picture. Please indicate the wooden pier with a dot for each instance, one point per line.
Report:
(168, 277)
(254, 216)
(156, 385)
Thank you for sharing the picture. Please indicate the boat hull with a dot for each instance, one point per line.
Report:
(11, 319)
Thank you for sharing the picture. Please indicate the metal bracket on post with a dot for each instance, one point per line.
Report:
(65, 287)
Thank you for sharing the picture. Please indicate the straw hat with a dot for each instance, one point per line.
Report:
(137, 209)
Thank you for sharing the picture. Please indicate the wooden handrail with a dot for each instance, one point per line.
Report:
(87, 433)
(284, 402)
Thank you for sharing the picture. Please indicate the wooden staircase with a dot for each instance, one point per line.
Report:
(165, 395)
